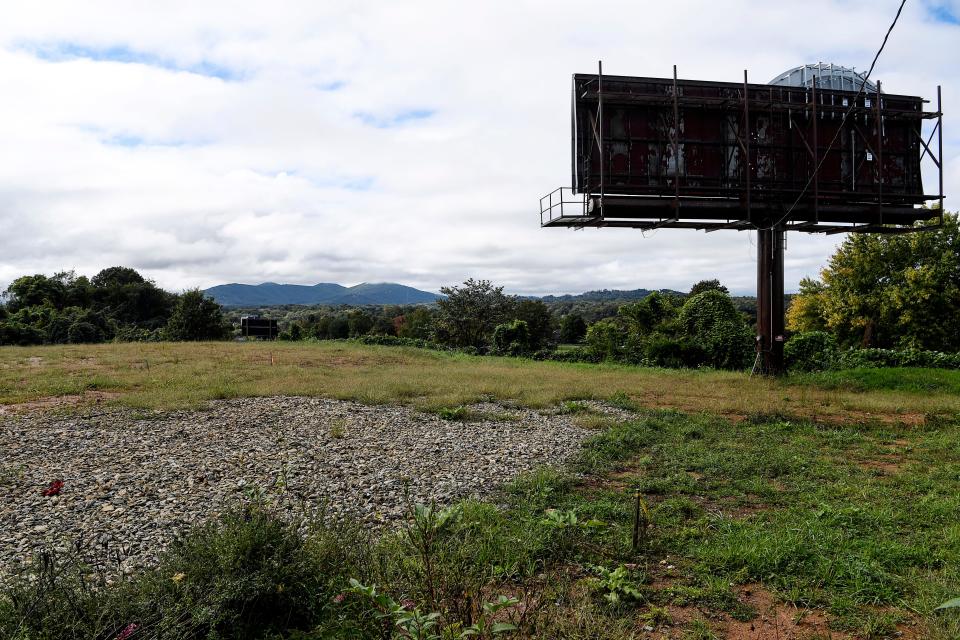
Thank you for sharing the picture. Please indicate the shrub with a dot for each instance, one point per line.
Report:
(83, 333)
(711, 320)
(606, 340)
(664, 351)
(858, 358)
(20, 334)
(810, 351)
(512, 338)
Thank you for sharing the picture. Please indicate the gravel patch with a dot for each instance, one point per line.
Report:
(133, 481)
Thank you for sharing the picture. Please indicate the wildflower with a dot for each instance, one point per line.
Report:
(178, 577)
(53, 488)
(339, 598)
(127, 631)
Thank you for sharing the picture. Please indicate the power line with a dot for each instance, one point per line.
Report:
(853, 105)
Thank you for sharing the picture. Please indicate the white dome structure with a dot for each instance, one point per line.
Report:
(829, 76)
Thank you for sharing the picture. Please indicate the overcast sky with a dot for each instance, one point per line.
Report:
(318, 141)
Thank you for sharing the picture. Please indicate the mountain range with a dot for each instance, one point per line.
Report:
(329, 293)
(271, 293)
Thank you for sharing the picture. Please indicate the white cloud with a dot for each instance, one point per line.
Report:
(211, 142)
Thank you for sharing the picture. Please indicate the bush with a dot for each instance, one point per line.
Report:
(606, 340)
(512, 338)
(859, 358)
(249, 575)
(810, 351)
(83, 333)
(664, 351)
(711, 320)
(20, 334)
(395, 341)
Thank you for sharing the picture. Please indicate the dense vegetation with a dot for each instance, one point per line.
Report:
(116, 304)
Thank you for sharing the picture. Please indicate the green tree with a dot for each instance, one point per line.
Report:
(539, 321)
(339, 328)
(127, 297)
(468, 314)
(890, 290)
(196, 317)
(417, 324)
(572, 328)
(708, 285)
(606, 339)
(646, 316)
(35, 290)
(359, 322)
(711, 321)
(806, 311)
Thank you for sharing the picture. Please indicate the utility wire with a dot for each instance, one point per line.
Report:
(853, 105)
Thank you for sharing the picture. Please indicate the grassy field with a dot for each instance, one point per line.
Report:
(820, 506)
(172, 375)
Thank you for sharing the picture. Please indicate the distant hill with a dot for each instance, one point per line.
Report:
(606, 295)
(271, 293)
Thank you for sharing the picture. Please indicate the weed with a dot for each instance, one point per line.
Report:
(618, 585)
(338, 428)
(573, 407)
(657, 616)
(460, 414)
(621, 400)
(699, 630)
(11, 474)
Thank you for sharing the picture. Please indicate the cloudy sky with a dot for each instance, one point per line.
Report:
(211, 142)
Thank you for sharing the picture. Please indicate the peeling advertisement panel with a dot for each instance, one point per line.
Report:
(640, 147)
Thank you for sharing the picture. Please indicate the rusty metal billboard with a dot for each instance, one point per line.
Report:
(680, 152)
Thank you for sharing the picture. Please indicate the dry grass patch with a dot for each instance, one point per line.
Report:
(177, 375)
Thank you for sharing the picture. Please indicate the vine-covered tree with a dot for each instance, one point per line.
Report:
(708, 285)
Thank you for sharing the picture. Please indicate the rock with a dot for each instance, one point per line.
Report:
(137, 485)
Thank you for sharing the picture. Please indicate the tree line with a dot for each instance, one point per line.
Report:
(881, 300)
(116, 304)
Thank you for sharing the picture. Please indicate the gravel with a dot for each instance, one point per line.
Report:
(135, 480)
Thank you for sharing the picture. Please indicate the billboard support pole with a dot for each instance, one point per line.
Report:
(770, 316)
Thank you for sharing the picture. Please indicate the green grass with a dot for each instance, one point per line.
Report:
(183, 375)
(799, 507)
(909, 379)
(835, 492)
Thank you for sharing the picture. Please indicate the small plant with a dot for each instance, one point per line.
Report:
(455, 414)
(699, 630)
(657, 616)
(621, 400)
(338, 428)
(412, 623)
(10, 474)
(428, 526)
(572, 407)
(617, 584)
